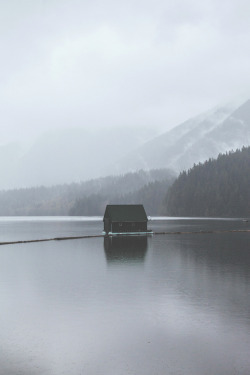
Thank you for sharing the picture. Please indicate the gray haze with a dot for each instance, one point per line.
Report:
(67, 155)
(77, 154)
(106, 63)
(101, 67)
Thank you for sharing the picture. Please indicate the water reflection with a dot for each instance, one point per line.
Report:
(210, 272)
(181, 306)
(131, 249)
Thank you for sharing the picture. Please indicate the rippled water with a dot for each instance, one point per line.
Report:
(166, 304)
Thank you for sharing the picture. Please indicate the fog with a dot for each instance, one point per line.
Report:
(103, 65)
(71, 63)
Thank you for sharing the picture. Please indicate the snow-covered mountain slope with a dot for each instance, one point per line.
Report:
(194, 141)
(79, 154)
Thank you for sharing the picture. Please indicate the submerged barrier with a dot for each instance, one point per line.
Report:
(49, 239)
(103, 235)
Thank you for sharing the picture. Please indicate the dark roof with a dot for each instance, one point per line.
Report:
(125, 212)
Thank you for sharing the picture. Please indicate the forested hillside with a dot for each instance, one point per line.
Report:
(216, 188)
(150, 191)
(150, 195)
(87, 198)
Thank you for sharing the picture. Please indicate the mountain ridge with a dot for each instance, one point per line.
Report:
(195, 140)
(78, 154)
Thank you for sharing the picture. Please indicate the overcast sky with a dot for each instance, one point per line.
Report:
(94, 63)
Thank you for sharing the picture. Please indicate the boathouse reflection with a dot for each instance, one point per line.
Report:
(125, 249)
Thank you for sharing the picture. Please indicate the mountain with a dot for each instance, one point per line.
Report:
(216, 188)
(196, 140)
(67, 155)
(79, 154)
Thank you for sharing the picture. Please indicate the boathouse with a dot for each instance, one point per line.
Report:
(125, 218)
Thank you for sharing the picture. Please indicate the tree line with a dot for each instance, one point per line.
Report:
(88, 197)
(217, 188)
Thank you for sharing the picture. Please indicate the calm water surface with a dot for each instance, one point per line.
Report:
(166, 304)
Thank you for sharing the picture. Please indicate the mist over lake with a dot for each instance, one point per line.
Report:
(164, 304)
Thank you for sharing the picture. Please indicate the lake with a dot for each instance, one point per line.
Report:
(158, 305)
